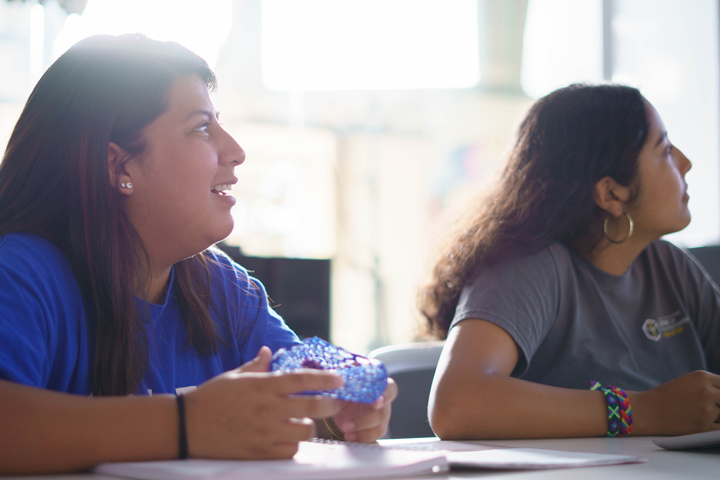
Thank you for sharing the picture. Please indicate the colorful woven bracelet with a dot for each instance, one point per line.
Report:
(626, 416)
(611, 400)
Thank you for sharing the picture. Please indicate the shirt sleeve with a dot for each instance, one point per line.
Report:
(520, 295)
(40, 313)
(253, 321)
(24, 335)
(44, 340)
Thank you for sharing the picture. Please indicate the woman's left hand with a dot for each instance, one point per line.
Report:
(366, 423)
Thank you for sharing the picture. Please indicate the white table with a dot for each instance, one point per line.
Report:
(662, 464)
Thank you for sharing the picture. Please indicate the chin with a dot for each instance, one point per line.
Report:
(688, 218)
(683, 224)
(222, 233)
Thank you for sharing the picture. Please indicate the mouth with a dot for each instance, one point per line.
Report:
(222, 190)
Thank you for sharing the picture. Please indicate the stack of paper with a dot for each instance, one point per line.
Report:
(314, 461)
(532, 458)
(333, 460)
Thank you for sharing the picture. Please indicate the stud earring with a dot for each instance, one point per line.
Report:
(126, 185)
(122, 185)
(129, 185)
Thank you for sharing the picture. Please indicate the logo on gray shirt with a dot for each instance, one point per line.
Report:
(665, 326)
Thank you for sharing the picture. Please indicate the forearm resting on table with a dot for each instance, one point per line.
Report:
(489, 406)
(45, 431)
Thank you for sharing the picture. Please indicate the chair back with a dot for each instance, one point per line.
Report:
(709, 258)
(412, 366)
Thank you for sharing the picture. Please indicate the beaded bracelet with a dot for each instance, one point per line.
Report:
(625, 411)
(611, 400)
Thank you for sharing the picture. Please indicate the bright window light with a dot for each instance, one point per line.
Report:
(369, 44)
(286, 194)
(671, 54)
(200, 26)
(563, 44)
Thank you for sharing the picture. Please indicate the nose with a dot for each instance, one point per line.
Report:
(684, 163)
(231, 152)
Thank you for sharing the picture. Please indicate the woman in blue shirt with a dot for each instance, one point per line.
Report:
(113, 188)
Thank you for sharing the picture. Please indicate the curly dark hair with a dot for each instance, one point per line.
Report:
(569, 140)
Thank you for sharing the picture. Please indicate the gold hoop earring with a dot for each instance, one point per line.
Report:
(631, 227)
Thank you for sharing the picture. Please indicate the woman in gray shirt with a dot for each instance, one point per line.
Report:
(560, 278)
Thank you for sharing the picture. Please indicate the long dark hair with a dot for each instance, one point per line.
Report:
(55, 182)
(569, 140)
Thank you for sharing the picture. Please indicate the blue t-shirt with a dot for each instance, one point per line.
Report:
(44, 332)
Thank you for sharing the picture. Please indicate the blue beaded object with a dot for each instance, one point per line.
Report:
(365, 378)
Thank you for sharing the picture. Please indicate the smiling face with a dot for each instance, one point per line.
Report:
(179, 202)
(662, 203)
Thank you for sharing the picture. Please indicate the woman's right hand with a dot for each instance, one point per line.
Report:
(687, 404)
(249, 413)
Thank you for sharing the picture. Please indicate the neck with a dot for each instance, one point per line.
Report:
(615, 259)
(156, 286)
(152, 288)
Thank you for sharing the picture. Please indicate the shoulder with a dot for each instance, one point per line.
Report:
(520, 294)
(246, 304)
(531, 283)
(527, 279)
(36, 280)
(535, 267)
(549, 257)
(672, 265)
(26, 255)
(27, 245)
(43, 336)
(221, 264)
(224, 268)
(233, 278)
(664, 249)
(665, 256)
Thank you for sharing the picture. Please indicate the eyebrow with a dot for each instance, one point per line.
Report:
(207, 113)
(663, 136)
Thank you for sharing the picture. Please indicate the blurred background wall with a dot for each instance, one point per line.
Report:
(368, 122)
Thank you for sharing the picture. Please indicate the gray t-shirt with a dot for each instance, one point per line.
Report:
(575, 323)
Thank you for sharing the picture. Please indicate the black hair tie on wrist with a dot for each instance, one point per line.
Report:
(182, 436)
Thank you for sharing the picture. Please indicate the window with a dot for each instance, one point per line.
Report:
(369, 44)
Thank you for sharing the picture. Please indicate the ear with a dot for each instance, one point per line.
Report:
(611, 196)
(117, 171)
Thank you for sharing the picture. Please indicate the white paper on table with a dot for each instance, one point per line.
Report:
(434, 444)
(533, 458)
(333, 460)
(314, 461)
